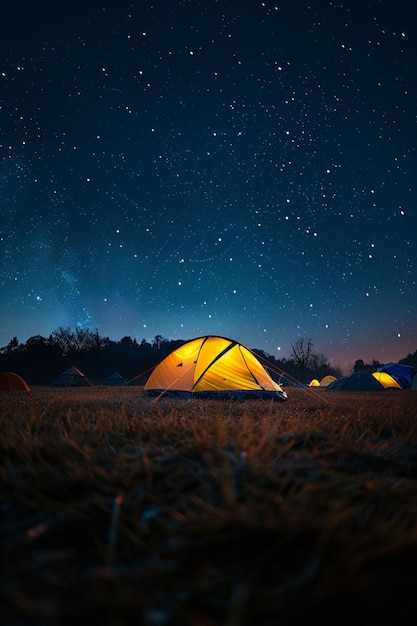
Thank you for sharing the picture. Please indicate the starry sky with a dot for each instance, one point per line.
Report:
(245, 169)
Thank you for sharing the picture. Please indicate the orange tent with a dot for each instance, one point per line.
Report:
(9, 381)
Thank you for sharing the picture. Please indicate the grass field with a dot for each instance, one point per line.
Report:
(116, 509)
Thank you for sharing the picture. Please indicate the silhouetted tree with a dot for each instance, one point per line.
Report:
(319, 365)
(40, 359)
(360, 366)
(12, 346)
(128, 343)
(302, 351)
(85, 340)
(410, 359)
(64, 338)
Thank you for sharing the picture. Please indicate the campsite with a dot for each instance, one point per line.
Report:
(123, 508)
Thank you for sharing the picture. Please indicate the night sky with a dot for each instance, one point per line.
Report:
(245, 169)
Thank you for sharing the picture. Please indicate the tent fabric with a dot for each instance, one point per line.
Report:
(360, 381)
(10, 381)
(386, 380)
(403, 374)
(212, 366)
(314, 383)
(114, 380)
(72, 377)
(326, 380)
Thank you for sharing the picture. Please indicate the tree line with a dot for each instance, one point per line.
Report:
(41, 359)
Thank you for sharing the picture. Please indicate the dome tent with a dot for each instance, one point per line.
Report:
(326, 380)
(9, 381)
(360, 381)
(403, 374)
(212, 367)
(386, 380)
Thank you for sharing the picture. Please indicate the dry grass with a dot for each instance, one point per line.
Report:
(115, 509)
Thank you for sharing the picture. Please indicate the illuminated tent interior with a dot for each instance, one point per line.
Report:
(212, 367)
(386, 380)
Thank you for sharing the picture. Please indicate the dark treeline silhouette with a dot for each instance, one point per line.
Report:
(41, 359)
(361, 366)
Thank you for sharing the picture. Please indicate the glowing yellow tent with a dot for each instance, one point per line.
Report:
(213, 367)
(386, 380)
(314, 383)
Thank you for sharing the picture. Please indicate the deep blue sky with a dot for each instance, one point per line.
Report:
(184, 168)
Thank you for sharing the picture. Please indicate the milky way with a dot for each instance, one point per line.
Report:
(185, 168)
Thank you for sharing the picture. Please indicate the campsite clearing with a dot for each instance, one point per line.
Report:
(117, 509)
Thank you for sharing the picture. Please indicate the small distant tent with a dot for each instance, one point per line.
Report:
(212, 367)
(360, 381)
(114, 380)
(403, 374)
(386, 380)
(326, 380)
(72, 377)
(10, 381)
(314, 383)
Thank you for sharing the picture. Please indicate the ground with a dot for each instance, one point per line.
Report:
(116, 509)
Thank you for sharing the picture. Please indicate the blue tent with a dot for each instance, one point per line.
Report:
(403, 374)
(361, 381)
